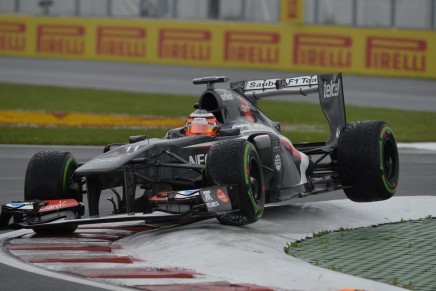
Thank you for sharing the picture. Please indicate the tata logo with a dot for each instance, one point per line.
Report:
(198, 159)
(331, 89)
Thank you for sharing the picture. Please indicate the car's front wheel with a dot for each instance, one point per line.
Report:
(236, 162)
(49, 177)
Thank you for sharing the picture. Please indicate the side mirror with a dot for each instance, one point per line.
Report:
(230, 131)
(136, 138)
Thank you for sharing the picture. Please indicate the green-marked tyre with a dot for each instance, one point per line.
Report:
(236, 162)
(368, 163)
(49, 177)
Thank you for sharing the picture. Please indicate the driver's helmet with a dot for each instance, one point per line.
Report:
(201, 122)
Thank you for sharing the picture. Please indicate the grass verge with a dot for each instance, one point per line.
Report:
(300, 121)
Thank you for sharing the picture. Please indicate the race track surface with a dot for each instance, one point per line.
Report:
(210, 255)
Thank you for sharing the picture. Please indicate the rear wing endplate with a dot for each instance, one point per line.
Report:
(329, 87)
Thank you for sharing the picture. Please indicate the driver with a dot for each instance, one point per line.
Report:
(201, 122)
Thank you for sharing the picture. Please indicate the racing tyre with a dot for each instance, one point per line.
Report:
(48, 177)
(368, 163)
(236, 162)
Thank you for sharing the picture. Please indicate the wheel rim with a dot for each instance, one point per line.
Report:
(389, 161)
(255, 180)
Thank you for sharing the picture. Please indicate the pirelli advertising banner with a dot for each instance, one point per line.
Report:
(293, 48)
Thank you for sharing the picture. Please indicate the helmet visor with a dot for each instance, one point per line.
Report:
(201, 126)
(196, 128)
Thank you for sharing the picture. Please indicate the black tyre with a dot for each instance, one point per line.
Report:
(368, 163)
(236, 162)
(48, 177)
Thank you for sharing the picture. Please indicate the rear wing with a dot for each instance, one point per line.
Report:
(272, 87)
(329, 87)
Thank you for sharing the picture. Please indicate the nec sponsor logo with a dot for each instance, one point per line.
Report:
(252, 47)
(185, 44)
(396, 54)
(323, 50)
(331, 89)
(126, 42)
(12, 36)
(199, 159)
(61, 39)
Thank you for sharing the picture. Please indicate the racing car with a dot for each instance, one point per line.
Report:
(227, 162)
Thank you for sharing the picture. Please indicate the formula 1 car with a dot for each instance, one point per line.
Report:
(230, 174)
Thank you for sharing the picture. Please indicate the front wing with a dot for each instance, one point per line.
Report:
(63, 212)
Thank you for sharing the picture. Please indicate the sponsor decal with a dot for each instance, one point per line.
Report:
(61, 39)
(246, 110)
(216, 199)
(278, 162)
(58, 204)
(188, 192)
(396, 54)
(252, 47)
(323, 50)
(128, 42)
(208, 200)
(199, 159)
(331, 89)
(226, 96)
(242, 128)
(222, 196)
(302, 81)
(12, 36)
(261, 84)
(212, 204)
(15, 204)
(206, 196)
(272, 83)
(185, 44)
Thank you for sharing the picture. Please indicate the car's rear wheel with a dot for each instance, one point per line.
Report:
(49, 177)
(236, 162)
(368, 163)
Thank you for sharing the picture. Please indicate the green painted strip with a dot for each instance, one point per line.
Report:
(247, 147)
(64, 181)
(381, 146)
(247, 181)
(387, 186)
(385, 182)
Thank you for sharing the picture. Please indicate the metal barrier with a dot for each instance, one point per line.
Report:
(417, 14)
